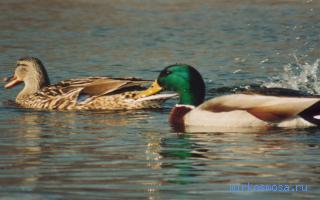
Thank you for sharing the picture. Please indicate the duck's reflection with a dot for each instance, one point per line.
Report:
(47, 149)
(235, 157)
(50, 147)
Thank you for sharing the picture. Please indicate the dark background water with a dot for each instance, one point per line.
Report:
(136, 155)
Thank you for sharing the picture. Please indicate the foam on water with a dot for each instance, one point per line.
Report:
(299, 75)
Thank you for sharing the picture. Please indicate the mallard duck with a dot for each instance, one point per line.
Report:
(90, 93)
(270, 108)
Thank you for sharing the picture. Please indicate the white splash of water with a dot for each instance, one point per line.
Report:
(298, 76)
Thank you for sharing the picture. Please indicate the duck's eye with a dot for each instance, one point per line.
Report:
(168, 72)
(165, 73)
(21, 65)
(22, 69)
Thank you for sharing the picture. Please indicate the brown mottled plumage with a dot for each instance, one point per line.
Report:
(91, 93)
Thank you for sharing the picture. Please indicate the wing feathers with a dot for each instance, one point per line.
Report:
(267, 108)
(92, 86)
(104, 87)
(101, 87)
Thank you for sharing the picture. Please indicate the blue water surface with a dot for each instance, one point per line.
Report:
(136, 154)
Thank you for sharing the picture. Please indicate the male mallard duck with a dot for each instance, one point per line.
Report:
(91, 93)
(235, 110)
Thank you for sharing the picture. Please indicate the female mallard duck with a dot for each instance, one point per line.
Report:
(92, 93)
(235, 110)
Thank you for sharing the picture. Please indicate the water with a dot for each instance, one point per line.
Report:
(136, 155)
(298, 76)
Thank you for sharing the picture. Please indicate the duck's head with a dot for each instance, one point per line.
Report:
(183, 79)
(31, 71)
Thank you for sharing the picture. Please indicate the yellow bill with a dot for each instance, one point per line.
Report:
(153, 89)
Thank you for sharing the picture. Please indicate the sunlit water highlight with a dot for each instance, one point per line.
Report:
(298, 76)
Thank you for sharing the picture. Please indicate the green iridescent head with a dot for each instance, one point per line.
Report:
(183, 79)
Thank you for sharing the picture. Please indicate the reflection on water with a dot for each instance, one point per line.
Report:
(136, 154)
(97, 154)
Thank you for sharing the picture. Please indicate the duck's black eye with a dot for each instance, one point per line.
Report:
(21, 65)
(167, 72)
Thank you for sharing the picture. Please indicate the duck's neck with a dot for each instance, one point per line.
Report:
(186, 98)
(32, 85)
(191, 97)
(176, 117)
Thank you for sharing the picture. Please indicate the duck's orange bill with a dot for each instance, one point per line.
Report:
(12, 82)
(153, 89)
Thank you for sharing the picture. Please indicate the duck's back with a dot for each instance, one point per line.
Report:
(92, 93)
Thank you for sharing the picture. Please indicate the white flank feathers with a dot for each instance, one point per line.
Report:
(157, 96)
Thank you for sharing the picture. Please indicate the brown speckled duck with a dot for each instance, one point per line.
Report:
(90, 93)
